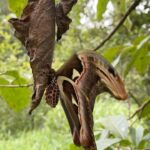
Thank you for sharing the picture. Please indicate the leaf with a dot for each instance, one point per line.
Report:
(137, 135)
(16, 98)
(125, 143)
(62, 20)
(102, 144)
(128, 23)
(142, 145)
(8, 78)
(104, 134)
(16, 6)
(138, 52)
(117, 125)
(14, 77)
(146, 111)
(142, 62)
(146, 137)
(138, 39)
(111, 53)
(101, 8)
(128, 51)
(143, 42)
(73, 147)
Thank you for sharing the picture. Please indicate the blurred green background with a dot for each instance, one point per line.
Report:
(128, 50)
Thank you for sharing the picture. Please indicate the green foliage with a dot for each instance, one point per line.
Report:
(106, 143)
(16, 98)
(13, 57)
(116, 132)
(140, 56)
(136, 54)
(138, 138)
(112, 52)
(117, 125)
(146, 110)
(17, 6)
(101, 8)
(12, 53)
(73, 147)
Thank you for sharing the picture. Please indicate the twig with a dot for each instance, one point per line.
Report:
(16, 86)
(140, 109)
(131, 125)
(135, 99)
(131, 8)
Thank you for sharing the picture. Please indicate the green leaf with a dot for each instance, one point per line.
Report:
(131, 62)
(128, 51)
(16, 98)
(73, 147)
(111, 53)
(16, 6)
(143, 42)
(146, 111)
(137, 135)
(142, 145)
(142, 62)
(101, 8)
(117, 125)
(147, 137)
(105, 134)
(138, 39)
(128, 23)
(8, 78)
(125, 143)
(102, 144)
(139, 52)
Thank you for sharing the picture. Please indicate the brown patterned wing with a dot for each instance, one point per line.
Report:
(96, 76)
(52, 93)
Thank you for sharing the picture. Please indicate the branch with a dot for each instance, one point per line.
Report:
(131, 8)
(135, 99)
(16, 86)
(140, 109)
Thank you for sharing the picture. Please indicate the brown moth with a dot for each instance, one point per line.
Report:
(78, 93)
(36, 30)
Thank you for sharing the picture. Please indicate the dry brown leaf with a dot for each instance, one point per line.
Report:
(62, 20)
(36, 30)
